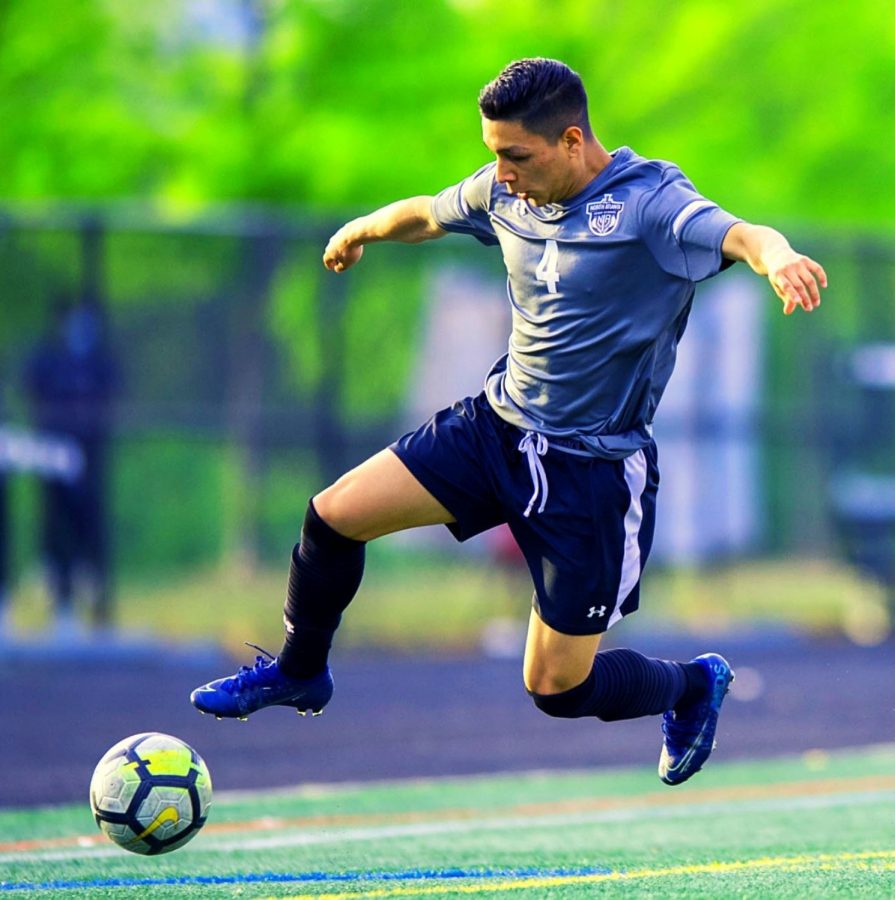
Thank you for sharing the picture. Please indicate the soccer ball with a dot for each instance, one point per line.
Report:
(150, 793)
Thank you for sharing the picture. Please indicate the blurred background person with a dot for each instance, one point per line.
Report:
(5, 623)
(70, 380)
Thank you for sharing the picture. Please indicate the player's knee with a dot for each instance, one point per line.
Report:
(542, 677)
(550, 693)
(555, 705)
(562, 693)
(545, 703)
(333, 505)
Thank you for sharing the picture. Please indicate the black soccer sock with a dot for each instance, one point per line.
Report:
(324, 576)
(625, 684)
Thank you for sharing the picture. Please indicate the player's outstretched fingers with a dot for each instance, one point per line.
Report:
(802, 282)
(799, 285)
(817, 278)
(800, 292)
(787, 292)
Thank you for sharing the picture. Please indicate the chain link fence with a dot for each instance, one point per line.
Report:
(241, 377)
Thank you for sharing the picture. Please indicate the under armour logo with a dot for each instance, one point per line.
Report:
(596, 612)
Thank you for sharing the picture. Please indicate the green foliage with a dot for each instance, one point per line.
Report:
(294, 316)
(76, 105)
(380, 330)
(779, 108)
(288, 483)
(168, 269)
(170, 502)
(34, 273)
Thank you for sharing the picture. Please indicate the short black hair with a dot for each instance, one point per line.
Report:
(545, 95)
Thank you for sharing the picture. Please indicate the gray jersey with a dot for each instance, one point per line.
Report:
(600, 289)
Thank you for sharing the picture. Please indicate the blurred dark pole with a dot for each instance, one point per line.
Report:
(93, 294)
(92, 254)
(261, 258)
(329, 433)
(4, 550)
(260, 255)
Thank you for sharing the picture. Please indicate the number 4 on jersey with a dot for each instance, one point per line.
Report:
(548, 268)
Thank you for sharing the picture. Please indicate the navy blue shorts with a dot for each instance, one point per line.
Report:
(590, 527)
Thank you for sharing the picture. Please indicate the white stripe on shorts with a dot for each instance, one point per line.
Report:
(635, 477)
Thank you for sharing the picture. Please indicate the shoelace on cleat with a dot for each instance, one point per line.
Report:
(250, 676)
(267, 653)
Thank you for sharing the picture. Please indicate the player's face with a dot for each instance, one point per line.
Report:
(532, 167)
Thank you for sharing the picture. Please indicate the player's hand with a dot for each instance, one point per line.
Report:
(341, 253)
(797, 280)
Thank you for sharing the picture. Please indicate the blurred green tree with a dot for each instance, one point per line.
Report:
(779, 108)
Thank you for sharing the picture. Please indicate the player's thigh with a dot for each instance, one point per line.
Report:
(556, 662)
(378, 497)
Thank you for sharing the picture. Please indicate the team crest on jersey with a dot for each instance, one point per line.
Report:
(603, 216)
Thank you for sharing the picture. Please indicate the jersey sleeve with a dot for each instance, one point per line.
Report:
(464, 208)
(684, 230)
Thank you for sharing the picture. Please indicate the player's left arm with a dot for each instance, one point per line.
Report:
(795, 278)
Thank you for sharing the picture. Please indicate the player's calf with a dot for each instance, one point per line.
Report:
(625, 684)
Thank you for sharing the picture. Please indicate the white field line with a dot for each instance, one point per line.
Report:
(212, 845)
(320, 789)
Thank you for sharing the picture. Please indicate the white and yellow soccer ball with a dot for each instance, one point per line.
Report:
(150, 793)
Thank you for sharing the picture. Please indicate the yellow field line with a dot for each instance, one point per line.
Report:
(863, 860)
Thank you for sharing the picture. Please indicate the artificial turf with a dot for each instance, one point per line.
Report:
(818, 825)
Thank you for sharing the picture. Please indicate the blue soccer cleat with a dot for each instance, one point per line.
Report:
(251, 689)
(690, 732)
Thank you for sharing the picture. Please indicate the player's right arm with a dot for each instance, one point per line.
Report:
(409, 221)
(795, 278)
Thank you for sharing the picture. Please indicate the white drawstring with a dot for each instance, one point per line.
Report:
(534, 446)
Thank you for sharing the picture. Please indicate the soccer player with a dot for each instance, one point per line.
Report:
(602, 251)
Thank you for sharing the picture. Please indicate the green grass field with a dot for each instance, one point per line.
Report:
(815, 826)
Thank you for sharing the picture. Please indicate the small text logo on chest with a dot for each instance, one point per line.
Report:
(603, 216)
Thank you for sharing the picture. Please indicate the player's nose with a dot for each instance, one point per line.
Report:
(504, 173)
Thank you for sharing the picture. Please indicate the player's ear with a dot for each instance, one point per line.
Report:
(573, 140)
